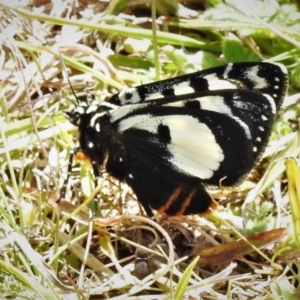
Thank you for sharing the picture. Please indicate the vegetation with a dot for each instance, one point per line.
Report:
(71, 250)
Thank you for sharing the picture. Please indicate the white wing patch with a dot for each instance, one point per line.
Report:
(154, 96)
(122, 111)
(211, 103)
(258, 82)
(215, 103)
(218, 84)
(183, 88)
(137, 121)
(193, 146)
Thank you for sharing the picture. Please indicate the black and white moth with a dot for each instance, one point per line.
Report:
(169, 139)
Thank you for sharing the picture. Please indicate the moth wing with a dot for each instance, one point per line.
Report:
(172, 151)
(207, 137)
(158, 186)
(263, 77)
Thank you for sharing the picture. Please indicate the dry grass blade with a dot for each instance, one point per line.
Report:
(51, 253)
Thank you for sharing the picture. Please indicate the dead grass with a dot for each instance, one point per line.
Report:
(52, 252)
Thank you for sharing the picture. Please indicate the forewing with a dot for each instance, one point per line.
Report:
(263, 77)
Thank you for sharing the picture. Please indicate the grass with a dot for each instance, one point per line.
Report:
(55, 252)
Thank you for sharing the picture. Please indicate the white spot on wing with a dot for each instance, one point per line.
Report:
(183, 88)
(214, 83)
(244, 126)
(137, 121)
(176, 104)
(258, 82)
(122, 111)
(154, 96)
(244, 105)
(215, 103)
(227, 70)
(211, 103)
(272, 103)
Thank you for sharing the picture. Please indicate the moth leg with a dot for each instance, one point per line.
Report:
(63, 190)
(96, 183)
(149, 211)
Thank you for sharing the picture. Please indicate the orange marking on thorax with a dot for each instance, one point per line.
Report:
(81, 157)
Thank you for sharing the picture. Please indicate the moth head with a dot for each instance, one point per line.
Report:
(84, 110)
(76, 114)
(73, 117)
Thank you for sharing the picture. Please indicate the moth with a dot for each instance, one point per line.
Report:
(169, 140)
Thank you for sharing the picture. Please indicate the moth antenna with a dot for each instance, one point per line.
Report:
(38, 99)
(89, 97)
(65, 71)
